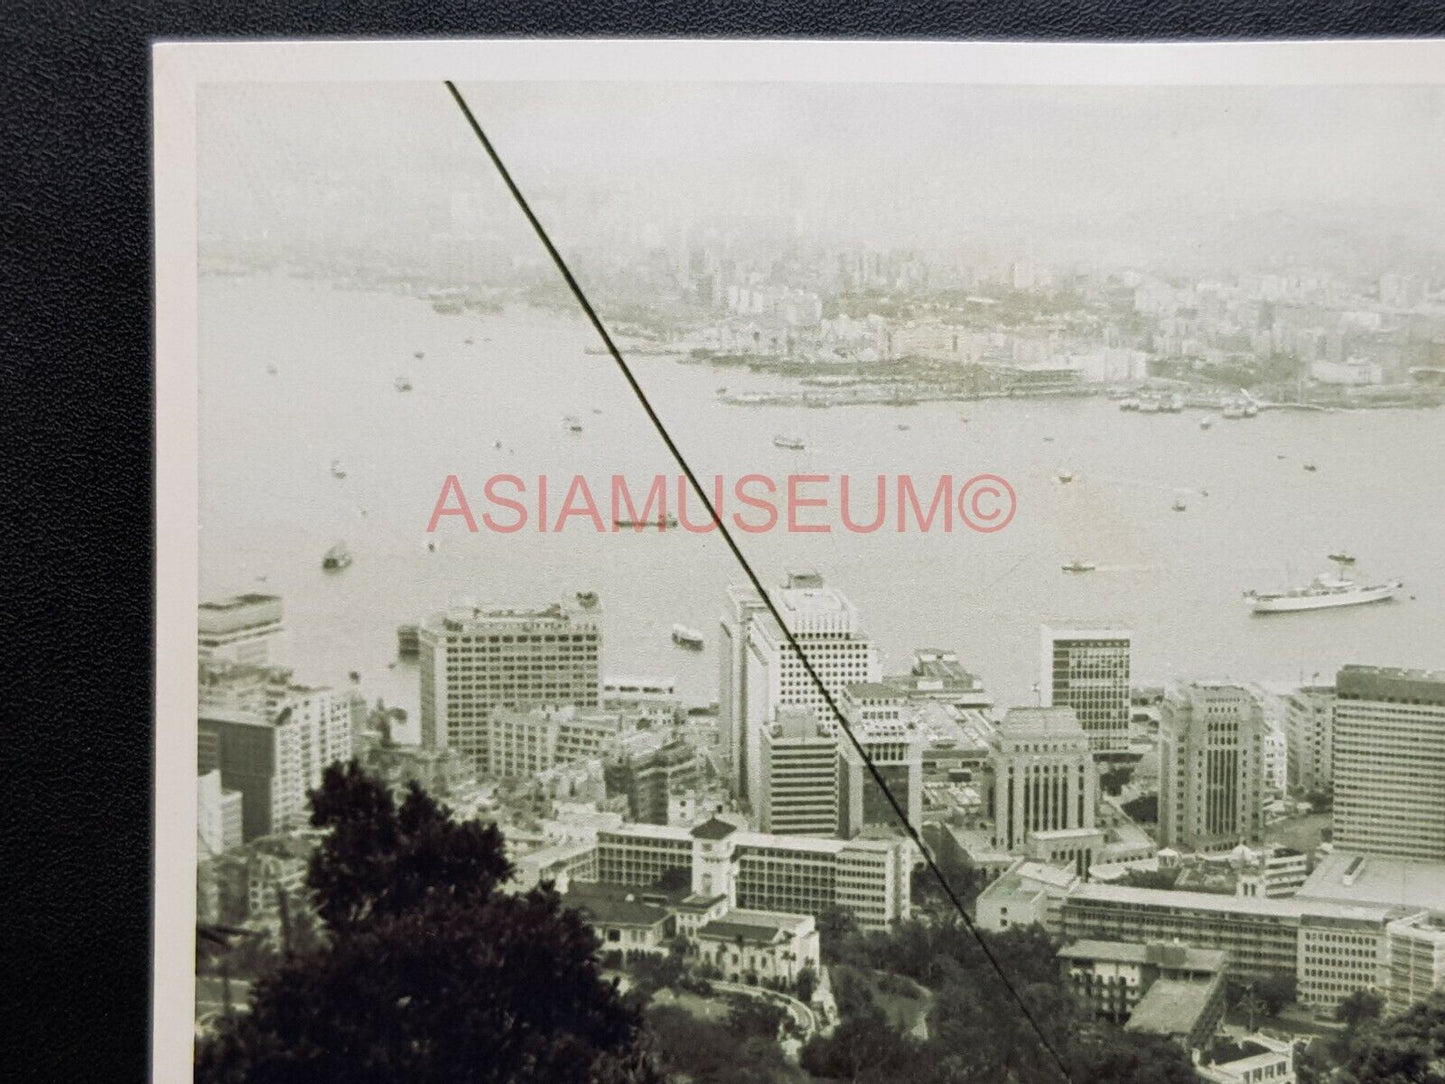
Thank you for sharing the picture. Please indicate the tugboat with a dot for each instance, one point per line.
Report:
(1179, 505)
(902, 427)
(1080, 566)
(1311, 467)
(1343, 557)
(402, 383)
(1066, 476)
(419, 355)
(337, 558)
(573, 423)
(792, 443)
(683, 636)
(587, 599)
(337, 470)
(468, 341)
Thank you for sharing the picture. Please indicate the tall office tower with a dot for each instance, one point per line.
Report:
(1309, 726)
(827, 629)
(1088, 670)
(742, 607)
(473, 660)
(655, 776)
(1044, 777)
(799, 795)
(1211, 766)
(878, 715)
(1389, 760)
(274, 758)
(239, 629)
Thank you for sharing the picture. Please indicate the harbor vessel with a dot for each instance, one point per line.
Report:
(337, 470)
(1323, 592)
(792, 443)
(337, 557)
(686, 637)
(402, 383)
(1080, 566)
(1066, 475)
(639, 524)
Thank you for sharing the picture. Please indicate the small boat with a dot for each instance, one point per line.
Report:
(271, 369)
(355, 677)
(1206, 422)
(337, 557)
(572, 423)
(1080, 566)
(431, 545)
(1131, 403)
(447, 307)
(596, 410)
(587, 599)
(1311, 467)
(419, 355)
(1179, 505)
(793, 443)
(402, 383)
(723, 390)
(467, 341)
(686, 637)
(497, 444)
(902, 427)
(1250, 409)
(1342, 557)
(337, 470)
(666, 521)
(1048, 440)
(1066, 476)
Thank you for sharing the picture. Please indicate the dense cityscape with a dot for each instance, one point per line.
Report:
(1237, 876)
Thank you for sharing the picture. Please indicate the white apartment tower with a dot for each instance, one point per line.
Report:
(1309, 717)
(474, 660)
(1087, 669)
(1211, 767)
(1044, 777)
(1389, 762)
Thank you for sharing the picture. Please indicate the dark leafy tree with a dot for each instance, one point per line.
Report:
(1276, 990)
(708, 1053)
(1404, 1049)
(754, 1016)
(1360, 1008)
(427, 972)
(1108, 1055)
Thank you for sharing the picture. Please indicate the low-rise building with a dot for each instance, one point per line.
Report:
(1256, 1059)
(1028, 894)
(1186, 1011)
(1110, 978)
(759, 945)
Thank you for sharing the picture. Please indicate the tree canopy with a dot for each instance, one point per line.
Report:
(427, 972)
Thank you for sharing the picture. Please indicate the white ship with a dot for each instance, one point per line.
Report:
(793, 443)
(1322, 593)
(686, 637)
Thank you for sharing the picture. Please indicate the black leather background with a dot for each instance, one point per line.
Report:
(75, 378)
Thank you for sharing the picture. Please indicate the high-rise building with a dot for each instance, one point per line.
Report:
(1389, 762)
(218, 816)
(743, 605)
(522, 743)
(799, 794)
(827, 629)
(239, 629)
(1211, 767)
(474, 660)
(1309, 715)
(1088, 670)
(1044, 777)
(937, 675)
(880, 717)
(274, 758)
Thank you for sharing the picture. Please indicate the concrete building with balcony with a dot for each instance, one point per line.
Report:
(474, 660)
(1110, 978)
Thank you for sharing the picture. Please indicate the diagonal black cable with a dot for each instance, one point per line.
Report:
(752, 576)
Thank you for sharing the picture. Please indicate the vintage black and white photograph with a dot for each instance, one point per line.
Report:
(801, 562)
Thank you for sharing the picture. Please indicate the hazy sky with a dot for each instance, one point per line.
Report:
(1053, 169)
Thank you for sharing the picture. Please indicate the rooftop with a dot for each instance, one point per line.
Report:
(714, 828)
(1289, 907)
(1026, 723)
(1163, 953)
(1348, 877)
(1173, 1006)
